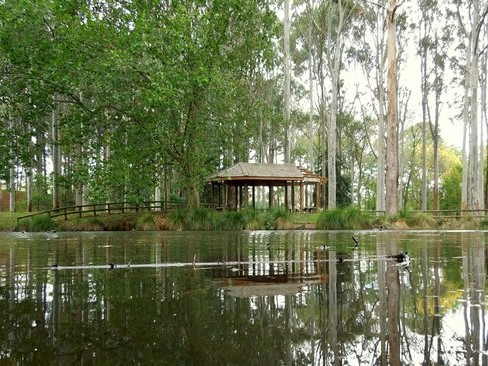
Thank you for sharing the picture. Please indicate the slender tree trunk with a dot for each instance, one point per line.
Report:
(380, 178)
(392, 117)
(473, 168)
(56, 157)
(425, 98)
(465, 171)
(12, 178)
(484, 112)
(29, 171)
(12, 186)
(287, 101)
(310, 84)
(435, 130)
(335, 68)
(28, 193)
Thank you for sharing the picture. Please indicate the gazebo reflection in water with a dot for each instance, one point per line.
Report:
(286, 273)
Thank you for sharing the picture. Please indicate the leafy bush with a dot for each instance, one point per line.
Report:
(201, 219)
(417, 219)
(42, 223)
(254, 219)
(278, 219)
(147, 222)
(349, 218)
(231, 220)
(177, 219)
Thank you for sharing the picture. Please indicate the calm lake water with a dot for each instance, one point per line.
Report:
(243, 298)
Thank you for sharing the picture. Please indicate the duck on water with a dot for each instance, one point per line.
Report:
(400, 258)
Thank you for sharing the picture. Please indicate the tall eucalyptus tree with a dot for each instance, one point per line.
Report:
(336, 28)
(286, 93)
(391, 199)
(471, 17)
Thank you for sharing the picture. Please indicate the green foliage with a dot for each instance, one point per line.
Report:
(418, 220)
(41, 223)
(450, 190)
(147, 222)
(136, 87)
(201, 219)
(231, 220)
(178, 219)
(278, 218)
(349, 218)
(254, 219)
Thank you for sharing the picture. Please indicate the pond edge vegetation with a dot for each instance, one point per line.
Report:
(203, 219)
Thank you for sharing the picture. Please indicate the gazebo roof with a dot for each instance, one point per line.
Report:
(265, 173)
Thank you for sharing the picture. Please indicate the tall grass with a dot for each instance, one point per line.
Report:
(278, 219)
(201, 219)
(231, 220)
(147, 222)
(417, 219)
(177, 219)
(349, 218)
(254, 219)
(41, 223)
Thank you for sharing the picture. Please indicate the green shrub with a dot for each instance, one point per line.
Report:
(357, 219)
(417, 219)
(201, 219)
(147, 222)
(331, 220)
(177, 219)
(231, 220)
(349, 218)
(278, 219)
(42, 223)
(254, 219)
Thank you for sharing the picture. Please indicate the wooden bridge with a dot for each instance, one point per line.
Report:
(107, 208)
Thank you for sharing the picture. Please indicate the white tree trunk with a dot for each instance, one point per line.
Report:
(287, 101)
(380, 83)
(474, 190)
(392, 116)
(310, 85)
(56, 157)
(335, 69)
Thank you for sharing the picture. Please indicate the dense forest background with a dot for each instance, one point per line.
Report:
(136, 100)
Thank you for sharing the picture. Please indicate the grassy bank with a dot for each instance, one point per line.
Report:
(349, 218)
(8, 220)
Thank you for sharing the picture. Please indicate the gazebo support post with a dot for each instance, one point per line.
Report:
(238, 190)
(246, 195)
(286, 196)
(292, 196)
(270, 198)
(301, 196)
(318, 189)
(225, 193)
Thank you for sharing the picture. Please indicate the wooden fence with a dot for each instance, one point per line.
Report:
(106, 208)
(164, 206)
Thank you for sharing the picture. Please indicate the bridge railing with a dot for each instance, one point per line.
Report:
(108, 208)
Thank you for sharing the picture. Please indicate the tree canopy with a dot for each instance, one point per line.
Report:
(103, 101)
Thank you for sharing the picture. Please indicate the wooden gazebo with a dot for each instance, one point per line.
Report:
(235, 184)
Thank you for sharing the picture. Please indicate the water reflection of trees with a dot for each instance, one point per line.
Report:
(365, 310)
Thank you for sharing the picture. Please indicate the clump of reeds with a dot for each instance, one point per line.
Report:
(278, 219)
(41, 223)
(201, 219)
(348, 218)
(147, 222)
